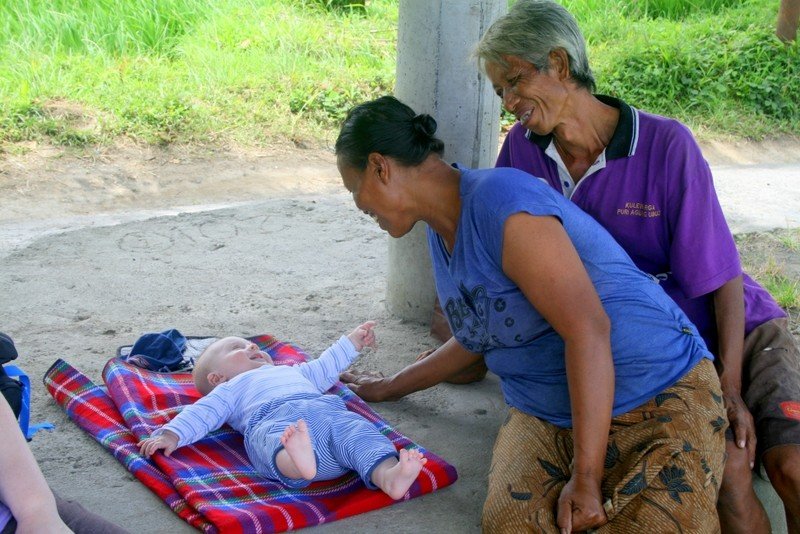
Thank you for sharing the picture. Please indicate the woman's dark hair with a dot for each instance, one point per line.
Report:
(388, 127)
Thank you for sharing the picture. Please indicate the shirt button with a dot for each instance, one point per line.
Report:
(566, 183)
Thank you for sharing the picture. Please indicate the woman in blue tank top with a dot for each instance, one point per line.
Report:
(615, 410)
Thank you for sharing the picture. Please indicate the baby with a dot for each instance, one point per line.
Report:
(293, 432)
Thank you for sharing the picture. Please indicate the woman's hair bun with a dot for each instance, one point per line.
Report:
(424, 124)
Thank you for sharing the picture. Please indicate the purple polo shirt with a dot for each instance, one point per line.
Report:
(655, 195)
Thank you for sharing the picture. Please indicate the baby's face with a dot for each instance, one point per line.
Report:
(233, 356)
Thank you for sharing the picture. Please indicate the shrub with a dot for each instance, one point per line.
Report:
(751, 69)
(677, 9)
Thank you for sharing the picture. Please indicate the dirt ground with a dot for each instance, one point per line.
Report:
(98, 247)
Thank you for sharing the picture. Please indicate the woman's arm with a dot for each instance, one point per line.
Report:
(540, 258)
(444, 362)
(22, 486)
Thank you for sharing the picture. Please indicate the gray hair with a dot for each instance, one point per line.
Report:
(530, 31)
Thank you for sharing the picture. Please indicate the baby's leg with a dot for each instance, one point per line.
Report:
(356, 444)
(395, 477)
(297, 459)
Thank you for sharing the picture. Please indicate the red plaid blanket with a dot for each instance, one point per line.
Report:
(211, 484)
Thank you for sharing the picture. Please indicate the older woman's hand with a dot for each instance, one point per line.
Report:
(580, 505)
(369, 385)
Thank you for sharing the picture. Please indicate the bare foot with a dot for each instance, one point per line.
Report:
(297, 444)
(396, 480)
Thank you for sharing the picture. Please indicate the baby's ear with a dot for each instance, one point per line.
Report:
(215, 379)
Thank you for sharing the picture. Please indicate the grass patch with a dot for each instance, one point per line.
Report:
(772, 259)
(713, 64)
(785, 290)
(240, 71)
(790, 240)
(251, 71)
(677, 9)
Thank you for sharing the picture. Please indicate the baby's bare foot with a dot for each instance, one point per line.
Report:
(400, 477)
(297, 443)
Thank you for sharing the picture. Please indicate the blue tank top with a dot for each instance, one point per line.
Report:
(653, 343)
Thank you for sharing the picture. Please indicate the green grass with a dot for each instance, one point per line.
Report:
(714, 64)
(785, 290)
(790, 241)
(252, 71)
(241, 71)
(772, 259)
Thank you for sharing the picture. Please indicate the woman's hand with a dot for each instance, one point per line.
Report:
(742, 424)
(580, 505)
(449, 359)
(369, 385)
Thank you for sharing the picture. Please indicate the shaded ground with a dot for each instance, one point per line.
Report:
(96, 248)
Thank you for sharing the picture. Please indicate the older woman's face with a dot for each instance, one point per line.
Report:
(376, 194)
(535, 98)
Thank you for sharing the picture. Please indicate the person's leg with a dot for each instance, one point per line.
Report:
(772, 393)
(356, 444)
(395, 475)
(524, 487)
(783, 467)
(82, 521)
(267, 451)
(662, 471)
(297, 458)
(739, 509)
(668, 459)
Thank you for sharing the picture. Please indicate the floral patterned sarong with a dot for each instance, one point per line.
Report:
(663, 465)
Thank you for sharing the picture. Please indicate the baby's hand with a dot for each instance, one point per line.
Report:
(167, 441)
(363, 336)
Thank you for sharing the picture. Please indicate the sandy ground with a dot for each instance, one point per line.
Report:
(97, 248)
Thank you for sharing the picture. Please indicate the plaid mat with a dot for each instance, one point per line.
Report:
(211, 484)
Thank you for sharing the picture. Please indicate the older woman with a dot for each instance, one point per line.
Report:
(615, 409)
(644, 179)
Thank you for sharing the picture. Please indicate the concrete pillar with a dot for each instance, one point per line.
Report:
(436, 75)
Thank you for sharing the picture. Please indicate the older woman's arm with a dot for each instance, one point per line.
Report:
(729, 315)
(443, 363)
(540, 258)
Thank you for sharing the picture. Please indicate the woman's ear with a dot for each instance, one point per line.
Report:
(379, 165)
(559, 62)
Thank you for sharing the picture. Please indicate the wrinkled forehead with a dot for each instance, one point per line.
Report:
(498, 71)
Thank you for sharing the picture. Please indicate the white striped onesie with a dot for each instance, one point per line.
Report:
(261, 403)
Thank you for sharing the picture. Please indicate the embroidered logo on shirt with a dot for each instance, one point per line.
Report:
(639, 209)
(791, 409)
